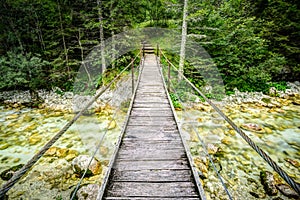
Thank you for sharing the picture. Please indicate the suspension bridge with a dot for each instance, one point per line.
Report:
(151, 159)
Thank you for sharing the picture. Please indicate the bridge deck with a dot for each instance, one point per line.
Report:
(151, 162)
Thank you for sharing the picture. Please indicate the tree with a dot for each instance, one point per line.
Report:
(183, 36)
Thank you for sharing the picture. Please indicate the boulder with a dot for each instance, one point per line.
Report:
(287, 191)
(88, 192)
(212, 149)
(251, 127)
(80, 163)
(7, 174)
(268, 181)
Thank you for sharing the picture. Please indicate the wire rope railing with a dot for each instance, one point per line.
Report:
(203, 145)
(265, 156)
(21, 172)
(104, 134)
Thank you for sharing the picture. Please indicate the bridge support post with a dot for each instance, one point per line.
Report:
(132, 75)
(169, 75)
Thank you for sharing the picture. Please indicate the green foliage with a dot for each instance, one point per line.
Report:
(175, 101)
(23, 72)
(281, 85)
(252, 42)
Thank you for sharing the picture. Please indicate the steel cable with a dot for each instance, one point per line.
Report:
(268, 159)
(204, 147)
(95, 151)
(18, 174)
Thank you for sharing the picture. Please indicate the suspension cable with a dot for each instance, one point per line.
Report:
(18, 174)
(95, 151)
(273, 164)
(204, 147)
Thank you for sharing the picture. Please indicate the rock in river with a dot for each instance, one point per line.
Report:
(7, 174)
(267, 180)
(81, 162)
(287, 191)
(252, 127)
(88, 192)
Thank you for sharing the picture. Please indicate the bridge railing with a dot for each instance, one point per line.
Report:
(121, 103)
(186, 97)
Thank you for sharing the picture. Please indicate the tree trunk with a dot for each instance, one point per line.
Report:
(183, 37)
(113, 44)
(102, 45)
(82, 58)
(39, 30)
(63, 38)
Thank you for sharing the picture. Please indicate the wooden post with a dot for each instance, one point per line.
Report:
(143, 50)
(160, 56)
(169, 75)
(132, 75)
(141, 57)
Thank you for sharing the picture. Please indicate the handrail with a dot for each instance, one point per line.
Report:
(273, 164)
(205, 149)
(114, 156)
(17, 175)
(103, 136)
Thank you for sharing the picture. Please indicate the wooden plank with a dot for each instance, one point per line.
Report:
(154, 137)
(151, 154)
(134, 189)
(163, 144)
(154, 165)
(151, 105)
(151, 123)
(151, 198)
(152, 175)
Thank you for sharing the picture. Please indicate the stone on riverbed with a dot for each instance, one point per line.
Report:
(287, 191)
(268, 181)
(7, 174)
(88, 192)
(252, 127)
(81, 162)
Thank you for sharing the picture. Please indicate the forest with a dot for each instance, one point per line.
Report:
(254, 43)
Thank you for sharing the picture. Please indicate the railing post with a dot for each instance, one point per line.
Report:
(141, 57)
(169, 75)
(143, 50)
(132, 75)
(160, 56)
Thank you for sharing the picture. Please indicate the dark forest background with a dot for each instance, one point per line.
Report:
(254, 43)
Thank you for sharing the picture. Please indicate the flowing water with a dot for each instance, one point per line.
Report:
(277, 133)
(24, 131)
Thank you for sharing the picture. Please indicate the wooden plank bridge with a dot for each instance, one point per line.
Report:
(152, 161)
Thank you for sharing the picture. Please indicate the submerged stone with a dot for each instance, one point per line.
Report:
(268, 181)
(287, 191)
(252, 127)
(88, 192)
(34, 139)
(7, 174)
(4, 146)
(81, 162)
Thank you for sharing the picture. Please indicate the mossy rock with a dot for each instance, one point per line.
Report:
(7, 174)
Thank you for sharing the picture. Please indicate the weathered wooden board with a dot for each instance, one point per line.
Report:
(152, 198)
(134, 189)
(152, 175)
(150, 154)
(151, 162)
(154, 165)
